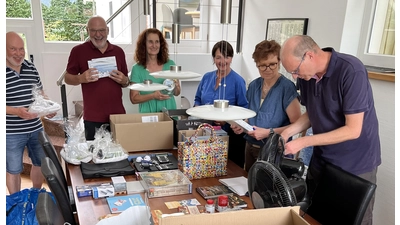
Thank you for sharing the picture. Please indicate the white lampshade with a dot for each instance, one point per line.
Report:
(170, 74)
(147, 87)
(210, 112)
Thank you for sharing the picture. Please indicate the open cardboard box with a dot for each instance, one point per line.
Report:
(273, 216)
(134, 135)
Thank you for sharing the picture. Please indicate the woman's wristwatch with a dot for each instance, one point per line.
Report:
(271, 130)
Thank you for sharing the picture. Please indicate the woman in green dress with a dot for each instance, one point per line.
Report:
(151, 55)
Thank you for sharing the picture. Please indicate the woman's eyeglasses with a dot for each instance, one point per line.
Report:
(271, 66)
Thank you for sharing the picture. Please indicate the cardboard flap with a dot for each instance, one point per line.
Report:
(275, 216)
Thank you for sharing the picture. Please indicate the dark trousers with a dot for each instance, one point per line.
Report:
(237, 145)
(251, 155)
(313, 177)
(91, 128)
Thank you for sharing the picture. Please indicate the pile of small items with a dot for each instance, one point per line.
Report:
(101, 150)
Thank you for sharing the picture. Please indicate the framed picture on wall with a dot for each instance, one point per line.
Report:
(280, 29)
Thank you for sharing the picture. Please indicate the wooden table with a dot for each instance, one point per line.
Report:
(89, 210)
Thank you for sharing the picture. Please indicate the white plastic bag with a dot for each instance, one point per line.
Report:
(41, 105)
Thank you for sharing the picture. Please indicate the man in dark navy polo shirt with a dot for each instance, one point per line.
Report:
(336, 92)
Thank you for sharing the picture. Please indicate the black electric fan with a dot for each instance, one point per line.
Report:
(274, 180)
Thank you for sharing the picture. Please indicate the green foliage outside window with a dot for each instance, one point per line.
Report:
(18, 9)
(63, 20)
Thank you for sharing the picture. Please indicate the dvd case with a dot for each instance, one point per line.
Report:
(213, 191)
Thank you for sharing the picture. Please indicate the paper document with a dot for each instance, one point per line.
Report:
(103, 65)
(236, 184)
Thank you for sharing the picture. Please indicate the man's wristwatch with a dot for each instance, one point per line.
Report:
(127, 83)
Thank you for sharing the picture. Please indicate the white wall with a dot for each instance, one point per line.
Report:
(384, 96)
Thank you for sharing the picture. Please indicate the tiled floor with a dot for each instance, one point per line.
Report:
(27, 183)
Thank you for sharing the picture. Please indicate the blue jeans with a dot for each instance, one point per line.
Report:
(15, 146)
(306, 153)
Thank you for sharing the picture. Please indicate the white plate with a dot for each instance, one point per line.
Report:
(181, 75)
(209, 112)
(147, 87)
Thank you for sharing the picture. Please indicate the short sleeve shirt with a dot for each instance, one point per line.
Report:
(139, 74)
(343, 90)
(103, 97)
(272, 111)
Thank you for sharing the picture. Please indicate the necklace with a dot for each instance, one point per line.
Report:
(266, 88)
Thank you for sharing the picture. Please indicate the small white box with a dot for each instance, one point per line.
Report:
(103, 190)
(119, 184)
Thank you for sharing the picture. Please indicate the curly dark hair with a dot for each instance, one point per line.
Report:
(266, 48)
(141, 52)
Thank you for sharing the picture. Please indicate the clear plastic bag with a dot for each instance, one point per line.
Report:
(76, 150)
(104, 149)
(41, 105)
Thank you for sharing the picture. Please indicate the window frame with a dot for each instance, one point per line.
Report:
(371, 59)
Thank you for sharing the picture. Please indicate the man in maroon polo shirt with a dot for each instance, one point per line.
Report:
(102, 96)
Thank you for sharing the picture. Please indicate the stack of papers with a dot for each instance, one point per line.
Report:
(236, 184)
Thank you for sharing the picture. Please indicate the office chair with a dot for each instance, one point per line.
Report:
(51, 152)
(185, 22)
(53, 180)
(340, 197)
(47, 212)
(167, 19)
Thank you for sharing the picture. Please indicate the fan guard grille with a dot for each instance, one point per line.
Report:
(269, 187)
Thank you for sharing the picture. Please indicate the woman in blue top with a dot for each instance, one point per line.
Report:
(224, 84)
(272, 96)
(151, 55)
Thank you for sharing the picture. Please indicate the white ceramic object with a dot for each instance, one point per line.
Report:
(147, 87)
(209, 112)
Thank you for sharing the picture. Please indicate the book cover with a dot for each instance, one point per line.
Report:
(236, 184)
(120, 203)
(186, 202)
(213, 191)
(234, 202)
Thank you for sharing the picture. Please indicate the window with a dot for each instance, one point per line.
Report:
(65, 20)
(377, 42)
(205, 17)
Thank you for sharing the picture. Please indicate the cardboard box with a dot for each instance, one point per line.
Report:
(275, 216)
(182, 122)
(103, 191)
(119, 184)
(83, 191)
(134, 135)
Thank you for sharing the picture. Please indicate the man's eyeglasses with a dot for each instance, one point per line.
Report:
(271, 66)
(298, 68)
(101, 31)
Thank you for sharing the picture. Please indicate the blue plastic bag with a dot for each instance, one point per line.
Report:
(20, 208)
